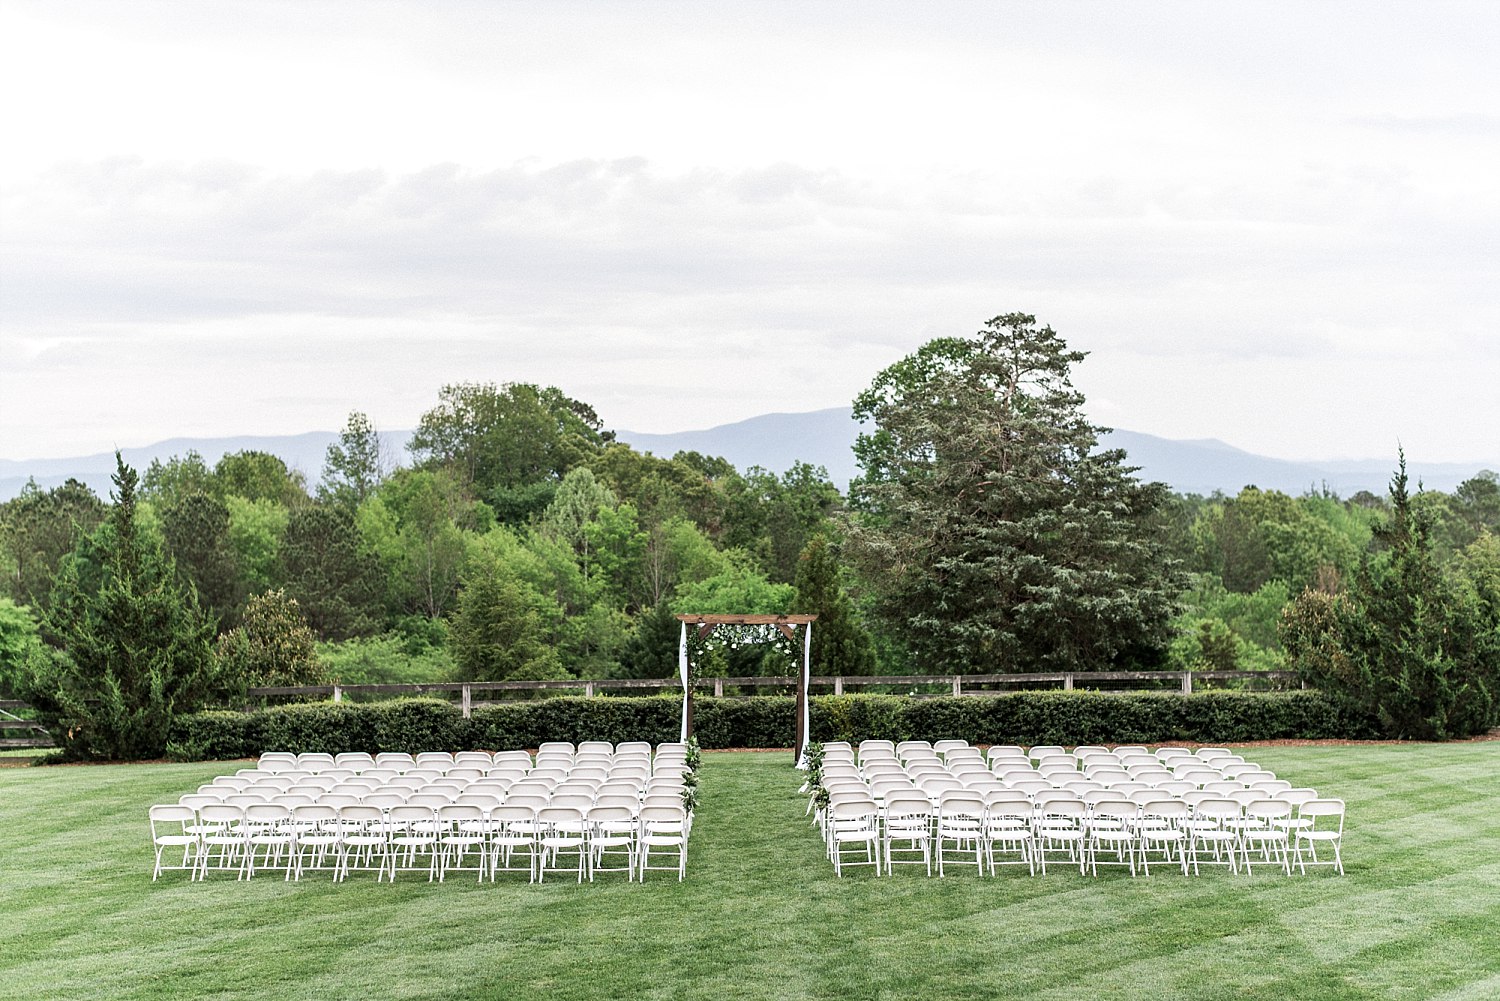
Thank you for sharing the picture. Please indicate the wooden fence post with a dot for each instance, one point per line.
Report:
(718, 688)
(467, 701)
(338, 693)
(1068, 682)
(588, 689)
(838, 684)
(958, 684)
(1187, 682)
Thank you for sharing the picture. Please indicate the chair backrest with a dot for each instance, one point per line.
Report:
(614, 816)
(1046, 797)
(1268, 809)
(408, 813)
(314, 813)
(627, 800)
(394, 759)
(903, 798)
(451, 812)
(262, 814)
(221, 814)
(1219, 809)
(1174, 810)
(292, 800)
(557, 746)
(360, 815)
(481, 759)
(1070, 809)
(1115, 809)
(522, 758)
(483, 800)
(386, 800)
(1323, 808)
(172, 813)
(561, 817)
(663, 818)
(510, 813)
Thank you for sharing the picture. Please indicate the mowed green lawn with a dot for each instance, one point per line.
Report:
(762, 915)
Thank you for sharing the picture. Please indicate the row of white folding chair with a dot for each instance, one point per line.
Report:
(1253, 831)
(286, 780)
(440, 791)
(1019, 776)
(279, 836)
(556, 751)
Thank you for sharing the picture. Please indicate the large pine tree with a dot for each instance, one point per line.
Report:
(994, 531)
(129, 644)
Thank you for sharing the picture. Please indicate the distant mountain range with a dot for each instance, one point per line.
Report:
(822, 438)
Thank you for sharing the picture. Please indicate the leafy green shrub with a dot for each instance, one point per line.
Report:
(328, 727)
(1026, 718)
(213, 736)
(413, 725)
(760, 721)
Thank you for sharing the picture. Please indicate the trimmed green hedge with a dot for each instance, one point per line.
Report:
(1026, 718)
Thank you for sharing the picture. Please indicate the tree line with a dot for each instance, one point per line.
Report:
(518, 539)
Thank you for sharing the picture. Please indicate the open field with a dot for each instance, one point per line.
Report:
(761, 914)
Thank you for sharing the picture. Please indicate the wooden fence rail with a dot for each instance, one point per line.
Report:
(955, 684)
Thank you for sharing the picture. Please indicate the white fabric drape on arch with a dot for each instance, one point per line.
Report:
(806, 700)
(682, 669)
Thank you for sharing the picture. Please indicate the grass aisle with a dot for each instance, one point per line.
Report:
(762, 915)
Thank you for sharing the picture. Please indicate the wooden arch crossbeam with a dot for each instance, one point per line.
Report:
(787, 624)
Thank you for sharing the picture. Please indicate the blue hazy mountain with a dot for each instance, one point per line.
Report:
(820, 437)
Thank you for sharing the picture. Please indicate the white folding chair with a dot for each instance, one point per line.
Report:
(1007, 829)
(1163, 829)
(663, 827)
(562, 831)
(960, 824)
(513, 831)
(462, 828)
(613, 831)
(1112, 826)
(413, 836)
(907, 830)
(1327, 828)
(364, 840)
(269, 835)
(317, 833)
(221, 837)
(172, 826)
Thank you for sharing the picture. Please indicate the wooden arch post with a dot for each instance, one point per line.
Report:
(787, 624)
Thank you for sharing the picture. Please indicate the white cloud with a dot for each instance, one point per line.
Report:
(1276, 226)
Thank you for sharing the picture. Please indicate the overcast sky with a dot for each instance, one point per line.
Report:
(1273, 224)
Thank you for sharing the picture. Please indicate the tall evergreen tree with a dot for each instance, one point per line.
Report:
(335, 582)
(995, 533)
(1406, 641)
(840, 646)
(195, 527)
(129, 644)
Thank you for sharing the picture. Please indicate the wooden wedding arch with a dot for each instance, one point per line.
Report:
(786, 624)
